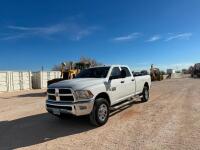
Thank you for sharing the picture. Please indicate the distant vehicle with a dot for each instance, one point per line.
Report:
(135, 74)
(141, 73)
(95, 91)
(144, 72)
(170, 71)
(196, 70)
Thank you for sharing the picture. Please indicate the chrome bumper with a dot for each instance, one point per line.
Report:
(75, 108)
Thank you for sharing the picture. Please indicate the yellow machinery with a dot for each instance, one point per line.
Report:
(155, 74)
(73, 69)
(70, 72)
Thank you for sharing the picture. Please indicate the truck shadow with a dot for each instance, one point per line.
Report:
(120, 109)
(40, 94)
(43, 127)
(39, 128)
(27, 95)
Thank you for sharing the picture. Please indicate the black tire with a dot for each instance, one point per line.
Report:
(95, 116)
(145, 94)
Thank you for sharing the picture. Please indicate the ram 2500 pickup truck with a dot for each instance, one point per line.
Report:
(95, 90)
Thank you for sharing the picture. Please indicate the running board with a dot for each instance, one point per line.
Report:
(124, 103)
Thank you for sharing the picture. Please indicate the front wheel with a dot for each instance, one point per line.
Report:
(145, 94)
(100, 113)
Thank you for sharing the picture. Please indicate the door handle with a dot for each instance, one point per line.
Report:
(122, 81)
(133, 80)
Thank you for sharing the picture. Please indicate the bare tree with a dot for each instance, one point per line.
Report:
(92, 62)
(56, 68)
(85, 60)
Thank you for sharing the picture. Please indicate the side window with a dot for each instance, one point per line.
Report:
(128, 74)
(115, 74)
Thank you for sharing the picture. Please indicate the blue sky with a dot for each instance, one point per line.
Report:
(133, 32)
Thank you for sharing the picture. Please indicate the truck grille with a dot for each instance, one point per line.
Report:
(67, 98)
(65, 95)
(61, 91)
(52, 97)
(51, 91)
(65, 91)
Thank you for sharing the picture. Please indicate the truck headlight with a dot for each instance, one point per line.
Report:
(83, 94)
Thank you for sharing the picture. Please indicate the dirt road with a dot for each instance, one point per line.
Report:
(169, 120)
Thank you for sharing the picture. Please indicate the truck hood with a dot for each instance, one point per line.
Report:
(78, 84)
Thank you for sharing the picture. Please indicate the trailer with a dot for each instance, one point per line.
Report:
(15, 81)
(40, 78)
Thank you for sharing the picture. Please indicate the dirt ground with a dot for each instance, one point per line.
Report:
(169, 120)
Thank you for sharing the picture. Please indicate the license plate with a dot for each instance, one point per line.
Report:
(56, 111)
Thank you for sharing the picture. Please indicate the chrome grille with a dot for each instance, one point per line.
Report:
(62, 94)
(51, 91)
(67, 98)
(51, 97)
(65, 91)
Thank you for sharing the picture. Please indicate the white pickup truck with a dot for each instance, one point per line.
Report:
(94, 91)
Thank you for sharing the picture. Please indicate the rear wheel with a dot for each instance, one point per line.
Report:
(145, 94)
(100, 113)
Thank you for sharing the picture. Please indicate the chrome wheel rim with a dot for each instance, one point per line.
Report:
(102, 112)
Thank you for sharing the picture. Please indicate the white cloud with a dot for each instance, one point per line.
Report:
(11, 37)
(50, 30)
(84, 32)
(127, 37)
(154, 38)
(180, 36)
(71, 30)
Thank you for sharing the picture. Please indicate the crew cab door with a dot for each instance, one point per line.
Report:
(128, 83)
(115, 88)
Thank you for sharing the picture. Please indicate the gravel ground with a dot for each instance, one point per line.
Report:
(169, 120)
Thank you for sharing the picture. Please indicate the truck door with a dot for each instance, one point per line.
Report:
(115, 88)
(128, 83)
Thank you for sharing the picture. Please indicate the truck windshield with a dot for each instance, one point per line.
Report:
(98, 72)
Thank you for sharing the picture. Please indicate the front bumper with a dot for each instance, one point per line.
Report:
(74, 108)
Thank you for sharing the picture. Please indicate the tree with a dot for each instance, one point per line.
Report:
(70, 64)
(90, 61)
(56, 68)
